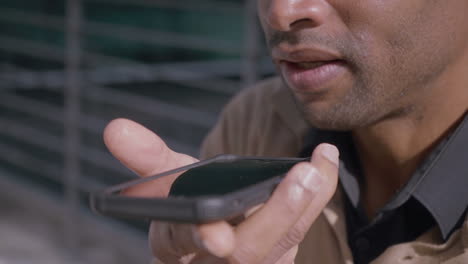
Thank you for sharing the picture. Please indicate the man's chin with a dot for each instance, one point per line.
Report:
(331, 125)
(331, 119)
(329, 111)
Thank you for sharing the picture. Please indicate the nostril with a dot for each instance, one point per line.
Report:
(302, 23)
(282, 15)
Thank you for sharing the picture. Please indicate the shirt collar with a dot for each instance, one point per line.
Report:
(442, 184)
(439, 184)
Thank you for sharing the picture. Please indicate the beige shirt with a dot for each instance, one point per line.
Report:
(264, 121)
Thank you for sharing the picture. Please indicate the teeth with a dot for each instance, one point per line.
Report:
(310, 65)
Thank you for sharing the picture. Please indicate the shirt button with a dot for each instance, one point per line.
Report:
(362, 244)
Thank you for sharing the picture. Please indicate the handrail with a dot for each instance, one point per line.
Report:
(214, 6)
(51, 113)
(187, 74)
(127, 33)
(45, 140)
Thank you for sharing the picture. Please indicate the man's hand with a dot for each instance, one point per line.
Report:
(269, 235)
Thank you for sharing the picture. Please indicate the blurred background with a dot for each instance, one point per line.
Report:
(69, 67)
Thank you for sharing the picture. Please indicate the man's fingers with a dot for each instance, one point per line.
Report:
(140, 149)
(145, 153)
(308, 186)
(261, 231)
(170, 240)
(325, 160)
(217, 238)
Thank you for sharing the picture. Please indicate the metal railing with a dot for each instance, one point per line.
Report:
(57, 119)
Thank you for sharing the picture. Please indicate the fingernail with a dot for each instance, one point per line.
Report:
(331, 153)
(212, 248)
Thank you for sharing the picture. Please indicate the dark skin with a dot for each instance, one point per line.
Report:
(405, 61)
(394, 72)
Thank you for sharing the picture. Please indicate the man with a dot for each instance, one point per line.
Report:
(384, 81)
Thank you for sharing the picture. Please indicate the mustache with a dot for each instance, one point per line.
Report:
(277, 38)
(342, 44)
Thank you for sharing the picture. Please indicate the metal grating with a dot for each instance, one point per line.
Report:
(60, 86)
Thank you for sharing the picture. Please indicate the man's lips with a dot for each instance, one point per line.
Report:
(308, 65)
(309, 69)
(304, 54)
(312, 76)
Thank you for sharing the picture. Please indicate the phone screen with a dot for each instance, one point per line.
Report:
(224, 177)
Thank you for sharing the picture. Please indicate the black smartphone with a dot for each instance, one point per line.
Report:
(220, 188)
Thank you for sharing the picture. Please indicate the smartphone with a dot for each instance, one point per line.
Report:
(220, 188)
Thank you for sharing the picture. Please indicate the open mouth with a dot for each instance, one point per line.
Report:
(314, 64)
(311, 65)
(312, 76)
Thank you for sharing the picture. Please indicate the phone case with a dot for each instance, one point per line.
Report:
(182, 206)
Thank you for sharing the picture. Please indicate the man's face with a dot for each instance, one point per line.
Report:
(353, 63)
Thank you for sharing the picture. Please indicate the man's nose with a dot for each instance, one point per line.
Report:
(284, 15)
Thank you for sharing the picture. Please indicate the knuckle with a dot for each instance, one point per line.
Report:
(292, 238)
(245, 254)
(162, 240)
(291, 204)
(157, 239)
(296, 198)
(301, 168)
